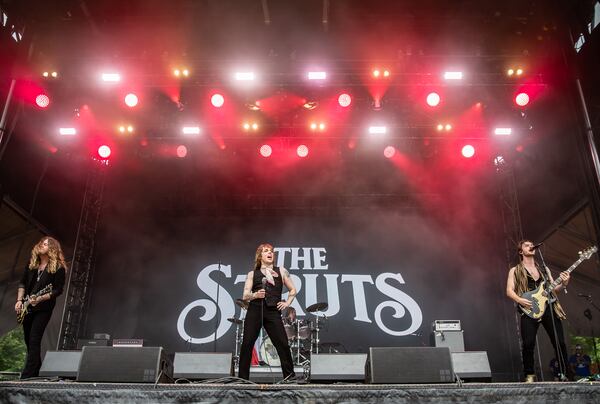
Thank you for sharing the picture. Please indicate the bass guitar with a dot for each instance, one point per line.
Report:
(27, 302)
(542, 294)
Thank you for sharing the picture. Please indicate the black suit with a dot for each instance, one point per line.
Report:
(38, 317)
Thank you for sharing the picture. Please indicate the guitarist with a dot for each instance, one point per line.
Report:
(46, 266)
(524, 277)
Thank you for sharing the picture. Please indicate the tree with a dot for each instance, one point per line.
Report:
(12, 351)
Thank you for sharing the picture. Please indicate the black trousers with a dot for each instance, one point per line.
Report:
(34, 326)
(271, 320)
(529, 329)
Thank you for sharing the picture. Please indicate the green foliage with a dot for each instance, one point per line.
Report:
(12, 351)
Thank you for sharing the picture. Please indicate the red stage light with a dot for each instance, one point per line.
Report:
(104, 151)
(522, 99)
(217, 100)
(42, 101)
(181, 151)
(389, 152)
(302, 151)
(265, 150)
(131, 100)
(433, 99)
(468, 151)
(344, 100)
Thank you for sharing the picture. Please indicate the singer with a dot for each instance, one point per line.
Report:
(527, 276)
(263, 289)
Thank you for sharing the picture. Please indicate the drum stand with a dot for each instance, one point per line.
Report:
(301, 360)
(239, 336)
(316, 331)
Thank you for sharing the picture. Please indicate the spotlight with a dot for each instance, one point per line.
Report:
(217, 100)
(510, 72)
(176, 72)
(433, 99)
(344, 100)
(181, 151)
(519, 72)
(389, 152)
(377, 130)
(255, 126)
(503, 131)
(440, 127)
(244, 76)
(448, 127)
(131, 100)
(302, 151)
(265, 150)
(376, 73)
(128, 129)
(386, 73)
(111, 77)
(67, 131)
(468, 151)
(310, 105)
(45, 74)
(317, 75)
(246, 126)
(54, 74)
(42, 101)
(253, 107)
(498, 161)
(313, 126)
(322, 126)
(453, 75)
(185, 73)
(191, 130)
(522, 99)
(104, 151)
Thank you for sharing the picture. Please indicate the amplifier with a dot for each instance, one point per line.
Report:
(91, 342)
(128, 342)
(451, 339)
(446, 325)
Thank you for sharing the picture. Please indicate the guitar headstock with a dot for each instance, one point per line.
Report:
(587, 253)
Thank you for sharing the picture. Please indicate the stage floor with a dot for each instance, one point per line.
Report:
(74, 392)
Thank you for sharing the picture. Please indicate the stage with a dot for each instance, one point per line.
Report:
(72, 392)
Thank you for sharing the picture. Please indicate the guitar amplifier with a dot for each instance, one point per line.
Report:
(128, 343)
(446, 325)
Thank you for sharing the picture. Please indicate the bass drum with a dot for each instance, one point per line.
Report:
(268, 353)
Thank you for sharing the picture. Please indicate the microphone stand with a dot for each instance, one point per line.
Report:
(561, 363)
(588, 314)
(216, 313)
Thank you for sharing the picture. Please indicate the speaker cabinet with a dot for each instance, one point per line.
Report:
(202, 365)
(472, 366)
(337, 367)
(409, 365)
(452, 339)
(62, 364)
(124, 365)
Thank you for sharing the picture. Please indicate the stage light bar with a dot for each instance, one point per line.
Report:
(245, 76)
(377, 130)
(503, 131)
(111, 77)
(191, 130)
(453, 75)
(67, 131)
(317, 75)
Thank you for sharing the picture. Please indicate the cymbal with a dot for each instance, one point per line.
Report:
(242, 303)
(317, 307)
(235, 320)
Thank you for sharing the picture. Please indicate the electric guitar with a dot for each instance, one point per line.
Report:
(542, 295)
(27, 302)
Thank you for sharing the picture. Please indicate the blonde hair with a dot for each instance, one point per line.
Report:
(55, 255)
(257, 256)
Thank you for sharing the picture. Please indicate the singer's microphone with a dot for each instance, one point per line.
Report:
(264, 283)
(582, 295)
(536, 246)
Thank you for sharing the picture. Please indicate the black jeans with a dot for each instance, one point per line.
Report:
(34, 326)
(274, 326)
(529, 328)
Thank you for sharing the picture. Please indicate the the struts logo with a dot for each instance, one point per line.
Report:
(305, 277)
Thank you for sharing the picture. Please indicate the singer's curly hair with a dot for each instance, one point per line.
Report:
(55, 255)
(257, 256)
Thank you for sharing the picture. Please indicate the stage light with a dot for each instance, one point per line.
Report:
(386, 73)
(250, 125)
(498, 161)
(217, 100)
(244, 76)
(181, 151)
(45, 74)
(322, 126)
(376, 73)
(54, 74)
(510, 72)
(519, 72)
(522, 99)
(344, 100)
(42, 101)
(265, 150)
(176, 72)
(111, 77)
(310, 105)
(191, 130)
(468, 151)
(128, 129)
(433, 99)
(389, 152)
(448, 127)
(246, 126)
(255, 126)
(104, 151)
(185, 72)
(131, 100)
(317, 75)
(453, 75)
(503, 131)
(440, 127)
(377, 130)
(67, 131)
(313, 126)
(302, 151)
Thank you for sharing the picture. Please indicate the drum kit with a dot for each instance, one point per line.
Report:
(303, 336)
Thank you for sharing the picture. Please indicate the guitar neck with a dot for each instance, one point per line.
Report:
(558, 280)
